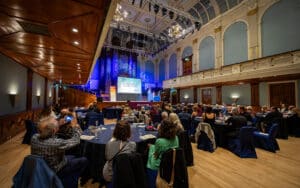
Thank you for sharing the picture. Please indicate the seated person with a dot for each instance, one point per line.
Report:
(272, 117)
(117, 145)
(167, 140)
(209, 116)
(176, 121)
(243, 112)
(52, 149)
(235, 122)
(185, 115)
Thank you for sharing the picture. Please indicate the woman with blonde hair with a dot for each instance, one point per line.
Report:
(175, 120)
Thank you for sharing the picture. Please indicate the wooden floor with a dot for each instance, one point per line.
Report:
(218, 169)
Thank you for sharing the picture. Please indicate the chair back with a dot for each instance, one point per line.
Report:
(206, 128)
(35, 173)
(243, 146)
(95, 117)
(128, 171)
(178, 170)
(156, 118)
(185, 144)
(273, 131)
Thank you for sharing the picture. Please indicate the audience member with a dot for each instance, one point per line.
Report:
(167, 140)
(235, 122)
(52, 149)
(208, 116)
(243, 112)
(176, 121)
(117, 145)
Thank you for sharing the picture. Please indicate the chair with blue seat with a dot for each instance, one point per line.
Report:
(267, 141)
(35, 173)
(93, 117)
(205, 137)
(31, 129)
(243, 145)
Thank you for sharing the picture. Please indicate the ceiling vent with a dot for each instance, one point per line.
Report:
(34, 28)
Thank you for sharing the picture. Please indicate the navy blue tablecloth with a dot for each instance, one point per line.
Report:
(94, 150)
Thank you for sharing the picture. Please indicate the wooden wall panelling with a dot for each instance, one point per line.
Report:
(72, 97)
(255, 95)
(195, 94)
(282, 93)
(219, 94)
(13, 124)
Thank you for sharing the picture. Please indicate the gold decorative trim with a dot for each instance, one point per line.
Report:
(218, 29)
(252, 12)
(195, 41)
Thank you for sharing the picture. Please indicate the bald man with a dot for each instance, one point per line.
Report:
(52, 149)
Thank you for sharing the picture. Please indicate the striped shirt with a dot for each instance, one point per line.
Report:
(53, 149)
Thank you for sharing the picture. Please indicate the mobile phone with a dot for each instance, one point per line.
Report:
(68, 118)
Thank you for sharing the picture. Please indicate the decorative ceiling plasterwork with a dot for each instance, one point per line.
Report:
(151, 20)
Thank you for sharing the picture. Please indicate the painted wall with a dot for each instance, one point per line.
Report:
(243, 91)
(189, 92)
(263, 94)
(13, 79)
(207, 54)
(173, 66)
(38, 88)
(280, 28)
(235, 43)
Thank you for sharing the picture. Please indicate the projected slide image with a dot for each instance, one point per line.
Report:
(129, 85)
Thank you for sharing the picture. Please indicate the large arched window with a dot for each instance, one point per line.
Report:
(173, 66)
(149, 71)
(187, 65)
(207, 54)
(235, 43)
(162, 71)
(280, 28)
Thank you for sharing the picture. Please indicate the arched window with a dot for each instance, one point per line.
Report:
(149, 71)
(187, 57)
(207, 54)
(162, 71)
(280, 28)
(173, 66)
(187, 52)
(235, 44)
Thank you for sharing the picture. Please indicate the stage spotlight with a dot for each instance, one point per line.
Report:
(197, 25)
(171, 15)
(156, 8)
(163, 11)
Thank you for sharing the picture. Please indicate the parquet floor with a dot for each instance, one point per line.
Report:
(218, 169)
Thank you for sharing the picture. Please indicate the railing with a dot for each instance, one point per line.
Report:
(281, 64)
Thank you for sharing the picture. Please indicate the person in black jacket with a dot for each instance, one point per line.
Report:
(235, 122)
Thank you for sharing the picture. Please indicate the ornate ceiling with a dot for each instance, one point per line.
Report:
(145, 28)
(55, 38)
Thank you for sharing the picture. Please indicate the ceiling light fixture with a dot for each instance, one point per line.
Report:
(74, 30)
(176, 31)
(120, 14)
(76, 42)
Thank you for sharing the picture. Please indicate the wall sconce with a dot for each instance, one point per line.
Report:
(12, 98)
(38, 97)
(235, 98)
